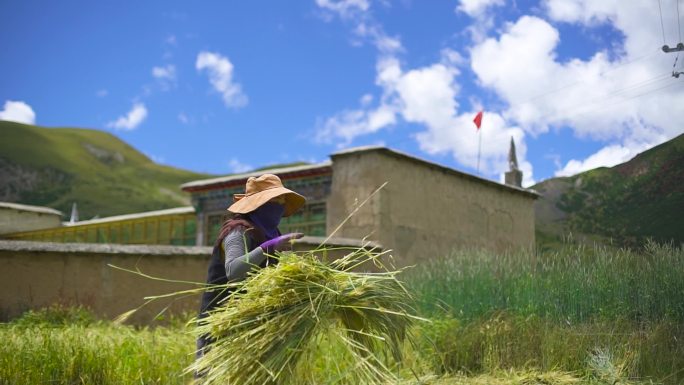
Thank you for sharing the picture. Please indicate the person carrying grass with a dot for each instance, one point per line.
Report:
(248, 240)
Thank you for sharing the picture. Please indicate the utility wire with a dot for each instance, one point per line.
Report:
(572, 84)
(661, 22)
(608, 99)
(672, 84)
(679, 27)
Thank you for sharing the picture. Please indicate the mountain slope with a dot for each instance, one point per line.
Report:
(57, 166)
(641, 198)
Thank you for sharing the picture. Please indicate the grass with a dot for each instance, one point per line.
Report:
(105, 176)
(649, 350)
(100, 353)
(575, 284)
(578, 316)
(552, 310)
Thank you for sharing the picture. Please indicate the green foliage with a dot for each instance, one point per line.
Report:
(576, 316)
(606, 350)
(574, 284)
(501, 349)
(99, 354)
(56, 315)
(628, 203)
(57, 166)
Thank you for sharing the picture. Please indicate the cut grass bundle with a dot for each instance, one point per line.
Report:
(266, 331)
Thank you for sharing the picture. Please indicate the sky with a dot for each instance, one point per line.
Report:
(227, 86)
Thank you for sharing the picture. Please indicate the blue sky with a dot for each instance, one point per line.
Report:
(223, 87)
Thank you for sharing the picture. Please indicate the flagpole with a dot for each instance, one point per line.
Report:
(479, 149)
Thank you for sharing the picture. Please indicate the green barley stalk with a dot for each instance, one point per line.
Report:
(272, 321)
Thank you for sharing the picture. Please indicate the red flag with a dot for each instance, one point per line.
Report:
(478, 120)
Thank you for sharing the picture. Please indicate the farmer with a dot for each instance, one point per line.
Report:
(246, 239)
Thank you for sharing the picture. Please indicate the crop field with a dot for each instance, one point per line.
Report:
(582, 315)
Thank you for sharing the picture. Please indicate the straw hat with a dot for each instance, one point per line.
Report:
(261, 190)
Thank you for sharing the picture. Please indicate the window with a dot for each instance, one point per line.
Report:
(190, 231)
(214, 223)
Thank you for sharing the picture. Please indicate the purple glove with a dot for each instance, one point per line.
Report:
(279, 243)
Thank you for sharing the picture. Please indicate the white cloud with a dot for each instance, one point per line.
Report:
(167, 72)
(344, 8)
(18, 111)
(220, 71)
(131, 120)
(451, 58)
(476, 8)
(370, 30)
(101, 93)
(237, 167)
(608, 156)
(618, 100)
(166, 76)
(365, 27)
(349, 124)
(427, 96)
(155, 158)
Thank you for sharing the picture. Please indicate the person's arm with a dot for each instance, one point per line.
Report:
(238, 261)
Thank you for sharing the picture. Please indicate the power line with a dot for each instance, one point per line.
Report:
(600, 74)
(607, 99)
(679, 27)
(636, 86)
(672, 84)
(661, 21)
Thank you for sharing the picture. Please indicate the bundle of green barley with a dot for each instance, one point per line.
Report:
(266, 331)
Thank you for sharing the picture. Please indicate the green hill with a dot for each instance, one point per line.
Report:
(57, 166)
(625, 204)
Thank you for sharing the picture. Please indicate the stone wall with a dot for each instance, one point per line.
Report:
(37, 274)
(426, 210)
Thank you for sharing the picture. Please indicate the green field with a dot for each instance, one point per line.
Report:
(105, 176)
(578, 316)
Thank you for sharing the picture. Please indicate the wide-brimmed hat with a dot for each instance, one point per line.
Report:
(262, 189)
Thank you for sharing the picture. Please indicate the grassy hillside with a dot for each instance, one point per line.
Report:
(57, 166)
(641, 198)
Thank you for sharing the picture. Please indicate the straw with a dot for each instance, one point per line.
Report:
(273, 320)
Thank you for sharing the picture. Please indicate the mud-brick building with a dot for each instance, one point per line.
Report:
(16, 217)
(424, 210)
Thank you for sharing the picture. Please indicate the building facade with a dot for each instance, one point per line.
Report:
(211, 197)
(16, 217)
(425, 209)
(175, 226)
